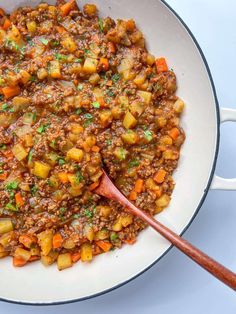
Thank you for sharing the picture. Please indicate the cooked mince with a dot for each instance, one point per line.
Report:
(79, 93)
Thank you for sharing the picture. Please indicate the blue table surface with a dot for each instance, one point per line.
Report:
(175, 284)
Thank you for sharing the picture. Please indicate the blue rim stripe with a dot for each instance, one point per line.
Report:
(206, 190)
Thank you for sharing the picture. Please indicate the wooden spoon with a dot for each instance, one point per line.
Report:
(109, 190)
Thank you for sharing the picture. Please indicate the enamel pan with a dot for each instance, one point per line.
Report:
(166, 35)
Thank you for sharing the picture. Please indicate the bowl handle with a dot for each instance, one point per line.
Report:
(219, 183)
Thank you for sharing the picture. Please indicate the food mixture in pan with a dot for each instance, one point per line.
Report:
(78, 93)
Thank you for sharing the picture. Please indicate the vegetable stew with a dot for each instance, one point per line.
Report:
(78, 93)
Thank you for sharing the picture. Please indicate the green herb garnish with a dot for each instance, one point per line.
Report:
(3, 147)
(11, 207)
(89, 119)
(113, 236)
(100, 24)
(148, 135)
(80, 87)
(115, 77)
(88, 213)
(79, 177)
(133, 163)
(96, 104)
(42, 128)
(11, 186)
(59, 56)
(30, 156)
(34, 189)
(61, 161)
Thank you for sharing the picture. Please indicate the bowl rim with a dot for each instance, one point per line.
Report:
(206, 190)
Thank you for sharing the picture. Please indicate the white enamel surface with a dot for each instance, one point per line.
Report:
(166, 37)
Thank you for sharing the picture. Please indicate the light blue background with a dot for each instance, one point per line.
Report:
(176, 285)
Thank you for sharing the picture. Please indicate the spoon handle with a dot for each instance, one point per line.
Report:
(212, 266)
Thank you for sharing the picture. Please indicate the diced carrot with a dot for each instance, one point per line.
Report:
(75, 257)
(19, 200)
(109, 83)
(34, 258)
(111, 47)
(138, 186)
(26, 240)
(95, 149)
(60, 29)
(93, 186)
(6, 24)
(67, 7)
(101, 102)
(130, 25)
(174, 133)
(159, 177)
(3, 176)
(10, 91)
(8, 154)
(105, 246)
(96, 250)
(133, 196)
(76, 82)
(161, 65)
(103, 64)
(18, 262)
(130, 241)
(57, 241)
(63, 177)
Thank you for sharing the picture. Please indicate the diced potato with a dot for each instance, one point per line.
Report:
(53, 182)
(126, 220)
(5, 225)
(55, 69)
(94, 78)
(145, 96)
(28, 140)
(69, 244)
(41, 170)
(137, 108)
(163, 201)
(75, 154)
(20, 103)
(52, 158)
(24, 76)
(90, 65)
(102, 234)
(129, 137)
(2, 35)
(19, 152)
(140, 78)
(125, 65)
(150, 184)
(2, 252)
(179, 105)
(6, 238)
(69, 44)
(150, 59)
(35, 251)
(86, 252)
(105, 117)
(90, 141)
(120, 153)
(31, 26)
(50, 258)
(75, 191)
(90, 9)
(166, 140)
(161, 122)
(129, 120)
(42, 74)
(117, 112)
(45, 241)
(123, 101)
(104, 211)
(22, 254)
(144, 86)
(117, 226)
(64, 261)
(14, 34)
(89, 232)
(170, 154)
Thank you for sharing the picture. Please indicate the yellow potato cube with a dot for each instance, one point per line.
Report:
(31, 26)
(163, 201)
(145, 96)
(22, 254)
(129, 120)
(55, 69)
(45, 241)
(41, 170)
(69, 44)
(19, 152)
(5, 225)
(86, 252)
(90, 65)
(64, 261)
(75, 154)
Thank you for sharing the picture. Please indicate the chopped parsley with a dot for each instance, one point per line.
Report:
(10, 44)
(96, 104)
(133, 163)
(109, 142)
(11, 186)
(59, 56)
(76, 216)
(33, 78)
(1, 171)
(80, 87)
(34, 189)
(5, 107)
(113, 236)
(55, 43)
(88, 213)
(30, 156)
(89, 119)
(86, 52)
(61, 161)
(3, 147)
(62, 210)
(11, 207)
(79, 177)
(42, 128)
(100, 24)
(148, 135)
(78, 60)
(110, 93)
(78, 111)
(115, 77)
